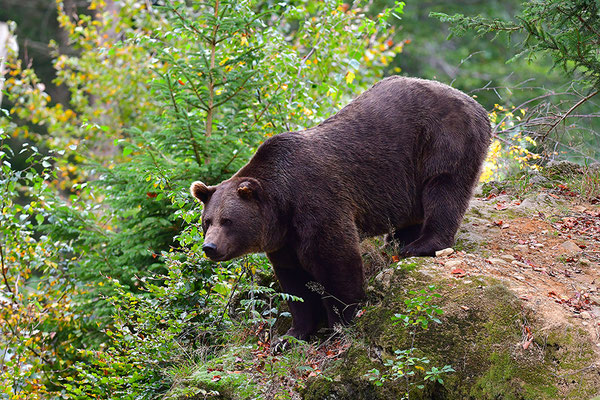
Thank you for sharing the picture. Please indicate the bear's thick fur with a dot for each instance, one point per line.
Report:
(403, 157)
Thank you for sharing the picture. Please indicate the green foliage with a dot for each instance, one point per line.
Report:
(179, 317)
(264, 305)
(405, 365)
(40, 325)
(567, 31)
(420, 309)
(243, 73)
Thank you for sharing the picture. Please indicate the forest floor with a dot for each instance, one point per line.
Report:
(544, 247)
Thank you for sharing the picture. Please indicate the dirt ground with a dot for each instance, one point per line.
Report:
(546, 248)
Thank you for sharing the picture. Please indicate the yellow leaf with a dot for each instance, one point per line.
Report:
(350, 77)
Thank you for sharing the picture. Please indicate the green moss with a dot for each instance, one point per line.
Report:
(507, 214)
(509, 379)
(229, 386)
(408, 266)
(517, 184)
(318, 389)
(476, 212)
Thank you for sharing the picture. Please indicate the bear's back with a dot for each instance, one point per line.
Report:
(402, 100)
(374, 156)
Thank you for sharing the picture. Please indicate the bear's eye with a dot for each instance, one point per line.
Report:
(226, 222)
(207, 222)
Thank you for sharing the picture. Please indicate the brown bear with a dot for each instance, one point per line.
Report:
(403, 157)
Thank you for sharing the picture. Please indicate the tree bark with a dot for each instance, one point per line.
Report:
(7, 43)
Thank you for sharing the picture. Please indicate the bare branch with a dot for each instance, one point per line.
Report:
(2, 266)
(565, 115)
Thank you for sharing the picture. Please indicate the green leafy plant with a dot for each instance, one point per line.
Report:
(415, 370)
(420, 309)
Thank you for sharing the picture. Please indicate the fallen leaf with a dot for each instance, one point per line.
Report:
(459, 272)
(501, 206)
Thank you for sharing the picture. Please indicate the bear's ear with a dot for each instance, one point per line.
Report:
(248, 189)
(202, 192)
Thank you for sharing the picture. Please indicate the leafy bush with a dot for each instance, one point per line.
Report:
(39, 323)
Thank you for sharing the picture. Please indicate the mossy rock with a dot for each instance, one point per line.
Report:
(481, 337)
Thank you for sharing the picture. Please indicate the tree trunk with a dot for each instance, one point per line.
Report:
(7, 43)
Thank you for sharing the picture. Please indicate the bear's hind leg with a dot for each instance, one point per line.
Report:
(400, 237)
(444, 203)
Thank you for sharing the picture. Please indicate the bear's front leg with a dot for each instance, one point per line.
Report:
(333, 258)
(307, 314)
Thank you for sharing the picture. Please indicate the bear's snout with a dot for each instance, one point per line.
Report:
(210, 249)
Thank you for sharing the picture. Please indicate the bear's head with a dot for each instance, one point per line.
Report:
(232, 218)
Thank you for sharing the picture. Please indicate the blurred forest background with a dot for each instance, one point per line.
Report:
(111, 108)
